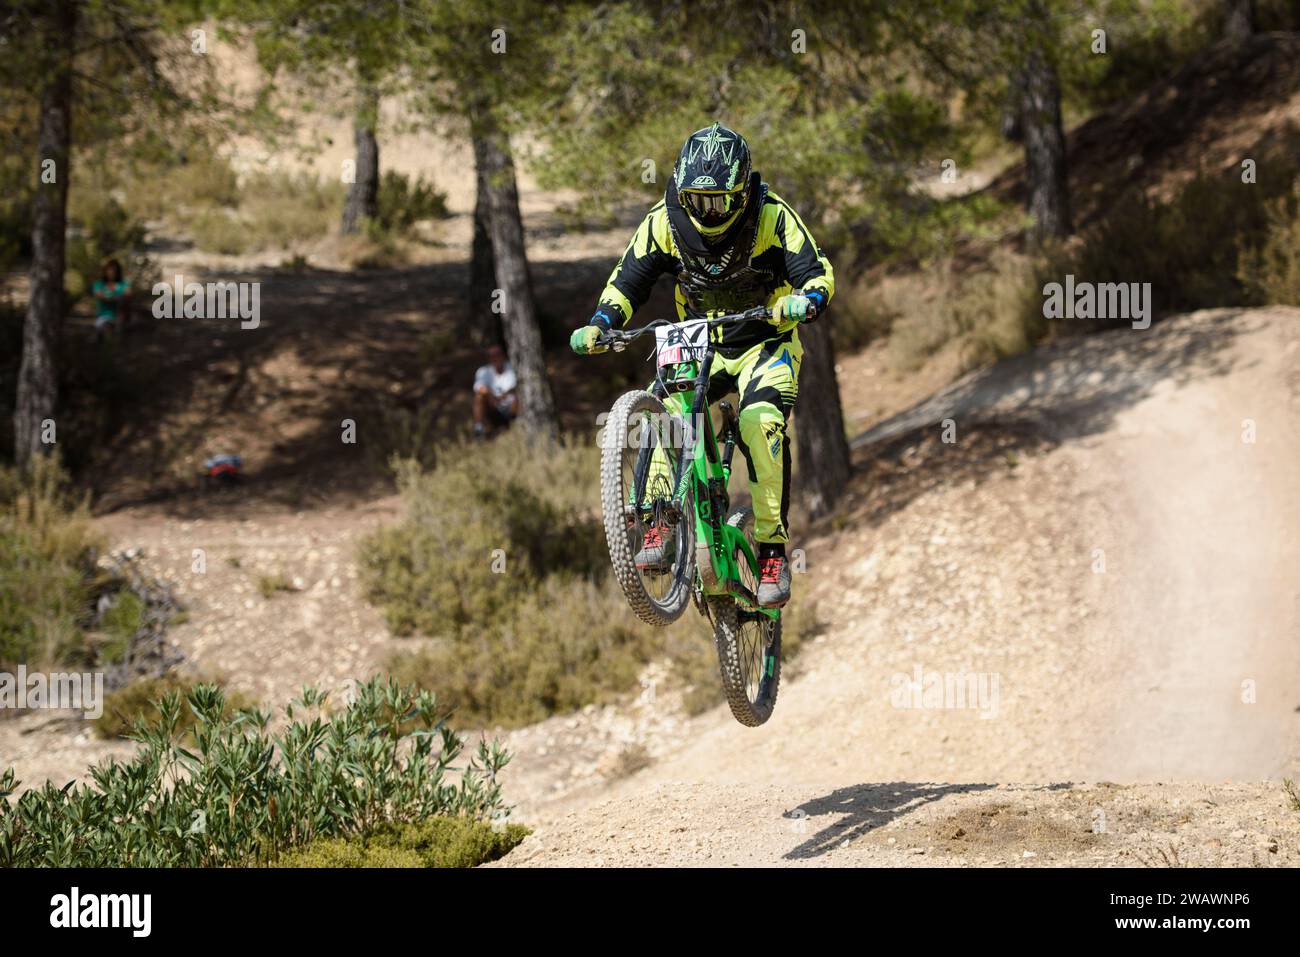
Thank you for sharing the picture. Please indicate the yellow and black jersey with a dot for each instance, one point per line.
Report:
(769, 254)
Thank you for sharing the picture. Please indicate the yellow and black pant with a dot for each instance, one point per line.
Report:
(766, 377)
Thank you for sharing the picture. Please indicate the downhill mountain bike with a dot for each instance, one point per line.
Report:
(664, 468)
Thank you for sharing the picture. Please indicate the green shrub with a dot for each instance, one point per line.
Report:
(401, 433)
(59, 605)
(483, 526)
(549, 649)
(987, 314)
(125, 708)
(1292, 793)
(172, 187)
(204, 177)
(404, 201)
(337, 852)
(281, 208)
(241, 796)
(47, 565)
(1186, 248)
(861, 316)
(437, 842)
(120, 624)
(999, 312)
(220, 230)
(1271, 272)
(1217, 242)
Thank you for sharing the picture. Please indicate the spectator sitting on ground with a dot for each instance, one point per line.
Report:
(496, 403)
(112, 299)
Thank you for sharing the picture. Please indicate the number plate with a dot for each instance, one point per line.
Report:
(682, 341)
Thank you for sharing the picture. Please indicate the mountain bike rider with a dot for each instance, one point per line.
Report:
(732, 244)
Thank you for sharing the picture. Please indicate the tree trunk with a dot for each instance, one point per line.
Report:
(1239, 22)
(824, 463)
(38, 382)
(363, 194)
(519, 317)
(485, 323)
(1040, 116)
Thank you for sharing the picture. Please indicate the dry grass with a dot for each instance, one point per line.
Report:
(47, 565)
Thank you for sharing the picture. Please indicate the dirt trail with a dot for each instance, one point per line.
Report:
(1110, 560)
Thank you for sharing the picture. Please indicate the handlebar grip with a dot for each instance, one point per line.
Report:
(812, 305)
(610, 341)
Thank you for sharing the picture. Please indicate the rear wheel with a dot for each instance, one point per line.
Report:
(748, 642)
(640, 453)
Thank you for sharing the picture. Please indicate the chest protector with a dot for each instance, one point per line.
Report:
(721, 277)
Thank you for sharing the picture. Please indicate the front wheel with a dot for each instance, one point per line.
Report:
(640, 454)
(748, 642)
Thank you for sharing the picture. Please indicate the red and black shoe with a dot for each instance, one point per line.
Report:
(654, 556)
(773, 581)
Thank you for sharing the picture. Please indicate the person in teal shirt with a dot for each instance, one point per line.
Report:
(112, 292)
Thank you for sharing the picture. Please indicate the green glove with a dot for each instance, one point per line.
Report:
(583, 341)
(791, 307)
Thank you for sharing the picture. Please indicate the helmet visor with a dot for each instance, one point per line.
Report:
(712, 208)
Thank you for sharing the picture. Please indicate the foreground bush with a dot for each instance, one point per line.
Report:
(241, 796)
(437, 842)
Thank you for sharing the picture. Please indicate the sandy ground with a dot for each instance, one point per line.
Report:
(901, 824)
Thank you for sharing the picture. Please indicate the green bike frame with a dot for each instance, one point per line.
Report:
(702, 477)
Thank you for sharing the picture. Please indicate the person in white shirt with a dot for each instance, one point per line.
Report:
(496, 400)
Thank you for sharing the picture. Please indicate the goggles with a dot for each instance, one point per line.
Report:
(712, 208)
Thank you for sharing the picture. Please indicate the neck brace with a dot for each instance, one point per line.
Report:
(715, 245)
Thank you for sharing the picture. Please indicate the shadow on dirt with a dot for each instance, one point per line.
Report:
(860, 809)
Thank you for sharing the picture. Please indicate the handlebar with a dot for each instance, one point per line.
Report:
(617, 339)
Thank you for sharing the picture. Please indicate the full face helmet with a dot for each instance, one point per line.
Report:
(713, 178)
